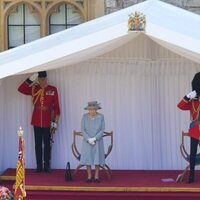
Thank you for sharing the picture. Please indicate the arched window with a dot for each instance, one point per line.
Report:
(23, 26)
(63, 17)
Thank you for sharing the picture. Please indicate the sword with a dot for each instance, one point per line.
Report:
(51, 144)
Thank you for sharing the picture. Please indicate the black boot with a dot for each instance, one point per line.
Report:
(191, 177)
(46, 167)
(39, 167)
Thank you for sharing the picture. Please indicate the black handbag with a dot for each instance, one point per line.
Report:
(68, 174)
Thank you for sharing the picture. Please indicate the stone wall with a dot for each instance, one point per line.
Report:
(114, 5)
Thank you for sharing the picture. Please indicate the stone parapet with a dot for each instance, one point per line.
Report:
(114, 5)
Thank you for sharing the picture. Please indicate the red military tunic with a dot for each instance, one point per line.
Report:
(45, 102)
(194, 107)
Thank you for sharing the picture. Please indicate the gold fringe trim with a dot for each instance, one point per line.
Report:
(7, 178)
(103, 189)
(112, 189)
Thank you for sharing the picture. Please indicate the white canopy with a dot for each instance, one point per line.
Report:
(169, 26)
(137, 77)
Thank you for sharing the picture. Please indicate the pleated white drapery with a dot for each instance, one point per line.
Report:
(138, 89)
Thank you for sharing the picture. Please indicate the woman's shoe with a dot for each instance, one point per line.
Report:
(88, 180)
(97, 180)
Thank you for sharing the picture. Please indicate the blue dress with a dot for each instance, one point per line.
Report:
(92, 127)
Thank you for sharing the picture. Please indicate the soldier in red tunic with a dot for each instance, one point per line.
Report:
(191, 102)
(46, 112)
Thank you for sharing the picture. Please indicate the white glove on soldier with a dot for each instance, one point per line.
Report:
(54, 125)
(191, 95)
(33, 77)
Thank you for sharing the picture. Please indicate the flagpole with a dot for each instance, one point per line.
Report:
(20, 192)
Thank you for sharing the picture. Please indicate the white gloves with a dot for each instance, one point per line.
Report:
(92, 141)
(191, 95)
(53, 127)
(33, 77)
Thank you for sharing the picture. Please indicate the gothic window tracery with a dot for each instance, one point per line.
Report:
(23, 25)
(64, 16)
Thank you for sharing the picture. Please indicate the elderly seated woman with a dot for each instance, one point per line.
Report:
(92, 128)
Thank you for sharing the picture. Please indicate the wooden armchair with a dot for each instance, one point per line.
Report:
(76, 152)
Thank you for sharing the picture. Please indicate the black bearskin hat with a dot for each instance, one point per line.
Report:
(42, 74)
(196, 83)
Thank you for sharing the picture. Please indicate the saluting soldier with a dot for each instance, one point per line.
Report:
(45, 116)
(191, 103)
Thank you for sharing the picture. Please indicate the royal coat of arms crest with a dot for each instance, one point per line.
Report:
(137, 22)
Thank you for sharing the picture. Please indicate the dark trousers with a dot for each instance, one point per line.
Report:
(42, 146)
(193, 152)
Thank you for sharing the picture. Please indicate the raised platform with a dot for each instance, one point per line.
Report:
(124, 183)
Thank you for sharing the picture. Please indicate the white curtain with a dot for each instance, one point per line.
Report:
(138, 95)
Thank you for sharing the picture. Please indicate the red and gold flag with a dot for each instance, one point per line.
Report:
(20, 193)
